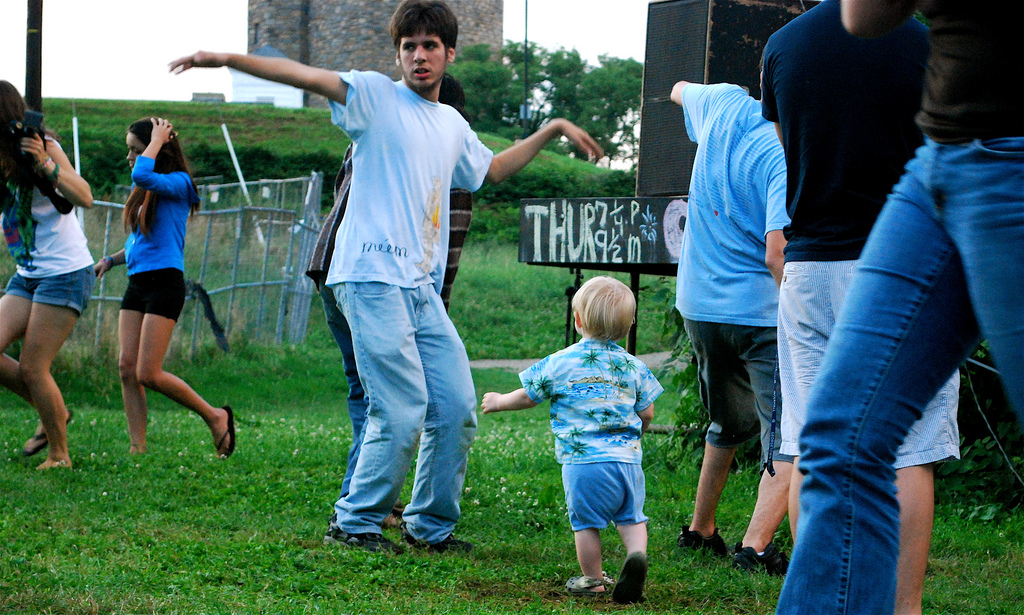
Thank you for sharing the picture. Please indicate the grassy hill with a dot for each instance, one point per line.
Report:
(278, 143)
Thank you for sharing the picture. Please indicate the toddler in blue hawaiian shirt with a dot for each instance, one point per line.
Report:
(602, 400)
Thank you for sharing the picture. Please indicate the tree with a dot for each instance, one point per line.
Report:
(488, 86)
(610, 105)
(604, 100)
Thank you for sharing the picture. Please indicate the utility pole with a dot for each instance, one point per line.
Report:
(34, 56)
(525, 113)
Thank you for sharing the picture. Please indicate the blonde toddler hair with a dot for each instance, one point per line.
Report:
(606, 308)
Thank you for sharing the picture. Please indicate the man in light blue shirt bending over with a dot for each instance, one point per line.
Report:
(732, 250)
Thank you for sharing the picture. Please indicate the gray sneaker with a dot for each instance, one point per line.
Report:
(450, 543)
(368, 541)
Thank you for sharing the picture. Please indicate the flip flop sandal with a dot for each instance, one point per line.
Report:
(583, 586)
(38, 441)
(224, 451)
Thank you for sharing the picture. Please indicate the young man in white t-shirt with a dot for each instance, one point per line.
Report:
(388, 267)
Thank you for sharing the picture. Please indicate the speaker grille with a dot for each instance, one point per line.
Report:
(677, 35)
(701, 41)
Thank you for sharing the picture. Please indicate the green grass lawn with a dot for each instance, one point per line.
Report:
(179, 532)
(505, 309)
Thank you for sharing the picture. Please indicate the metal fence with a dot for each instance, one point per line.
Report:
(248, 253)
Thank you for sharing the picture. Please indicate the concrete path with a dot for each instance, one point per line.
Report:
(654, 361)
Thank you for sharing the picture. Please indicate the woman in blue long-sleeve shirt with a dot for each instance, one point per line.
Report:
(156, 213)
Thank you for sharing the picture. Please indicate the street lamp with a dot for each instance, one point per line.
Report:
(525, 113)
(34, 56)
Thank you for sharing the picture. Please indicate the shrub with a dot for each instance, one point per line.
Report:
(986, 478)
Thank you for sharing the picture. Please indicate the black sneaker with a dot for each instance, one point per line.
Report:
(773, 561)
(450, 543)
(371, 542)
(691, 539)
(630, 588)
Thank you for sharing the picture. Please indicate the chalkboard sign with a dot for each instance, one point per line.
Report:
(641, 234)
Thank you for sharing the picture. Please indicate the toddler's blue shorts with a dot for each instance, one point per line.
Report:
(605, 492)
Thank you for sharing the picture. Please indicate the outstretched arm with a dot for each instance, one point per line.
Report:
(677, 92)
(516, 400)
(870, 18)
(282, 70)
(509, 162)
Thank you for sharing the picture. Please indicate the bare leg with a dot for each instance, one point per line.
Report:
(770, 509)
(796, 480)
(630, 586)
(634, 537)
(588, 553)
(14, 313)
(48, 327)
(714, 472)
(154, 339)
(916, 494)
(136, 409)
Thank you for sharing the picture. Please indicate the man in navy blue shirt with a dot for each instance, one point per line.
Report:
(844, 109)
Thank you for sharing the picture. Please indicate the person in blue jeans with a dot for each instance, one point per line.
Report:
(942, 268)
(388, 268)
(450, 94)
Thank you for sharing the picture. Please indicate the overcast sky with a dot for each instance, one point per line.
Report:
(119, 49)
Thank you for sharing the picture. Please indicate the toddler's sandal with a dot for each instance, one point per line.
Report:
(584, 586)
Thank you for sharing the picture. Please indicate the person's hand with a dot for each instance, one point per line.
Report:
(35, 147)
(199, 59)
(489, 403)
(581, 139)
(163, 131)
(102, 266)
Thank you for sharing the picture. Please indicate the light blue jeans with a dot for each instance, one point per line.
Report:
(415, 373)
(356, 399)
(946, 255)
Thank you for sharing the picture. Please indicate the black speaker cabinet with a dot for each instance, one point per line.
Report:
(701, 41)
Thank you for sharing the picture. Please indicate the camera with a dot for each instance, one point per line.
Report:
(32, 125)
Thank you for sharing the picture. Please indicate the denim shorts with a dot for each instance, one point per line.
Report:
(160, 292)
(601, 493)
(70, 290)
(736, 368)
(810, 300)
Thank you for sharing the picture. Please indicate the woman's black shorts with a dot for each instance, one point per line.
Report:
(160, 292)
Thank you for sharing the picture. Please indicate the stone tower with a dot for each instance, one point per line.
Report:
(347, 34)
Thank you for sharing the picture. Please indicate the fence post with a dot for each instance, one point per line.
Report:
(202, 278)
(103, 283)
(301, 286)
(234, 269)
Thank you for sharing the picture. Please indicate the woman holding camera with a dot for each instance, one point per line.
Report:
(54, 277)
(158, 208)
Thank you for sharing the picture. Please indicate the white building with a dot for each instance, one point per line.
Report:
(248, 89)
